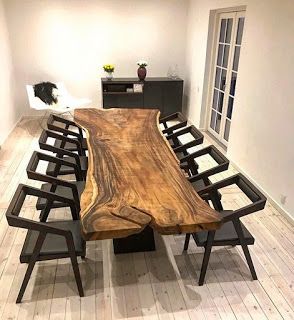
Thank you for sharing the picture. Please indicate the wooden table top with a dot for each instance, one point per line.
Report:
(134, 179)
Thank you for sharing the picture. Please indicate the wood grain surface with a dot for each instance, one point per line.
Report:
(134, 178)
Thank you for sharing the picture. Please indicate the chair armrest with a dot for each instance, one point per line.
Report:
(24, 190)
(256, 197)
(63, 138)
(190, 129)
(55, 197)
(32, 174)
(211, 150)
(51, 134)
(60, 152)
(178, 133)
(174, 127)
(56, 182)
(219, 185)
(197, 135)
(209, 172)
(53, 117)
(65, 131)
(38, 156)
(25, 223)
(176, 115)
(253, 207)
(214, 153)
(194, 155)
(188, 145)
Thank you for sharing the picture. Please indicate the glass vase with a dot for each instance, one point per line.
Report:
(109, 75)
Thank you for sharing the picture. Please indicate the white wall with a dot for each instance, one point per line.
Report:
(71, 40)
(9, 114)
(262, 132)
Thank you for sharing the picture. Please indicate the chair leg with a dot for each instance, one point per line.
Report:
(30, 267)
(75, 266)
(83, 256)
(244, 246)
(45, 212)
(209, 243)
(187, 239)
(216, 202)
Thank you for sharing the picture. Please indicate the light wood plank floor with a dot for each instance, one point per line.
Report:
(156, 285)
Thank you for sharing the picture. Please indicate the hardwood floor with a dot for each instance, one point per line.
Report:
(155, 285)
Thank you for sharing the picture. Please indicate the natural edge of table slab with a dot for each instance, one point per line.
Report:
(116, 201)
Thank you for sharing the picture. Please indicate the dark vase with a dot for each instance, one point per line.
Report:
(142, 73)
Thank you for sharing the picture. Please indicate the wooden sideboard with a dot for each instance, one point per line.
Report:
(164, 94)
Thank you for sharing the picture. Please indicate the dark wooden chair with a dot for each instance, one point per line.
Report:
(232, 232)
(78, 158)
(64, 188)
(47, 240)
(178, 116)
(181, 149)
(64, 126)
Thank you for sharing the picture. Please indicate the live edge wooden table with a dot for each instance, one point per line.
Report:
(134, 184)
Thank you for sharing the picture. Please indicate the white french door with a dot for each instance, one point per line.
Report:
(227, 46)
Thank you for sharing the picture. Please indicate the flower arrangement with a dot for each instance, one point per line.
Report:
(108, 67)
(142, 63)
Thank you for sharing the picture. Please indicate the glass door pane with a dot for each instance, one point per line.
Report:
(233, 77)
(220, 76)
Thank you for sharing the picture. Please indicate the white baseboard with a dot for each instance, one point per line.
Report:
(270, 199)
(33, 116)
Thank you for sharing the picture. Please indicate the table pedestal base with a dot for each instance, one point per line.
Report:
(140, 242)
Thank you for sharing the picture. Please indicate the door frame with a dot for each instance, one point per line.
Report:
(211, 68)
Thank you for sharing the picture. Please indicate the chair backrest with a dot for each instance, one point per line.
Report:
(15, 206)
(188, 162)
(45, 145)
(178, 146)
(62, 125)
(179, 117)
(35, 175)
(255, 196)
(38, 156)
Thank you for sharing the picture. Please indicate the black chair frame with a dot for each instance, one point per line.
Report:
(60, 152)
(178, 115)
(65, 131)
(52, 134)
(55, 182)
(178, 147)
(189, 164)
(13, 219)
(258, 203)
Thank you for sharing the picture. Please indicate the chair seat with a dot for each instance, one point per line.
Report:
(225, 236)
(60, 191)
(54, 246)
(199, 184)
(71, 146)
(65, 169)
